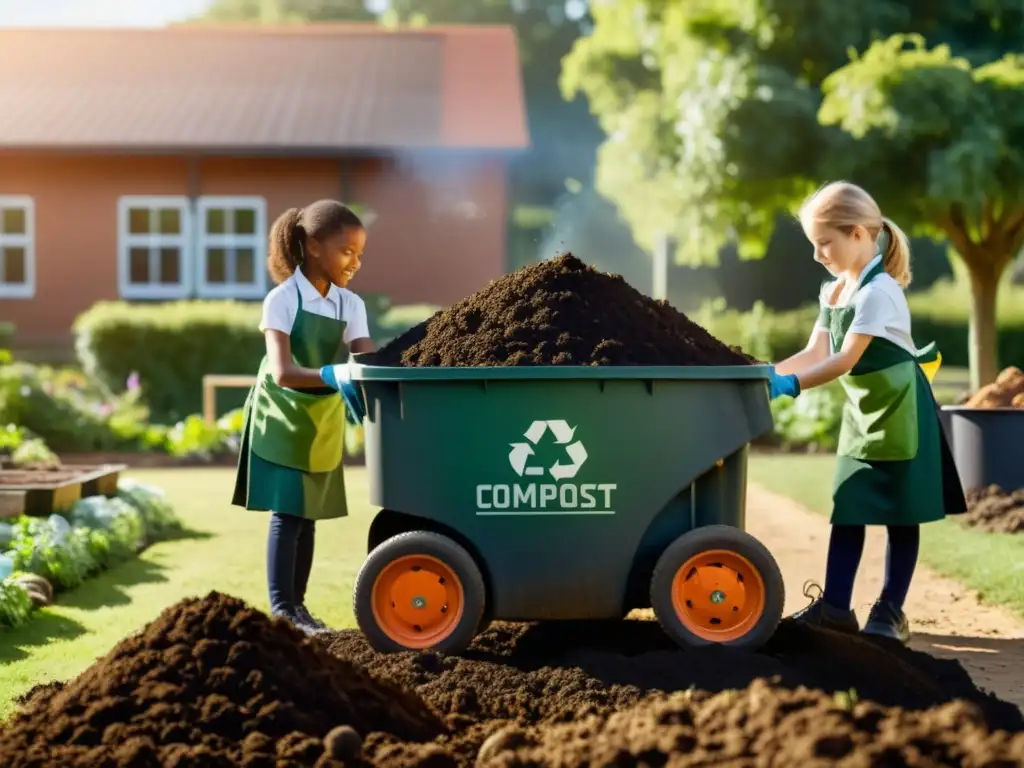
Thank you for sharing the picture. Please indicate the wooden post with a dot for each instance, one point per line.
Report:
(211, 382)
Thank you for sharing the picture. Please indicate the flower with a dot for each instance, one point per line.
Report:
(133, 383)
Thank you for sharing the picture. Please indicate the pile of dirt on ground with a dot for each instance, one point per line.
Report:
(510, 699)
(760, 725)
(1007, 391)
(993, 509)
(558, 312)
(211, 682)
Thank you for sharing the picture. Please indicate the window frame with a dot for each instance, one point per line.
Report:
(256, 241)
(126, 241)
(27, 241)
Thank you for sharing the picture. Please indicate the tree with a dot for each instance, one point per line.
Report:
(720, 114)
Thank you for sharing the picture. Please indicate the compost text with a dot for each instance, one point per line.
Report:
(545, 498)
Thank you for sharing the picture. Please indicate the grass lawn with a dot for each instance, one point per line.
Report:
(992, 564)
(226, 552)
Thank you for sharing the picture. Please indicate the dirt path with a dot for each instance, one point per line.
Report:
(947, 619)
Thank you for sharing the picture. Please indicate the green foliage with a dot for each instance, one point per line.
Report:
(15, 604)
(939, 315)
(97, 533)
(158, 518)
(688, 92)
(6, 335)
(67, 410)
(171, 346)
(811, 420)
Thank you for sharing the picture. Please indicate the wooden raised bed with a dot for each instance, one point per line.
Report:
(46, 491)
(12, 504)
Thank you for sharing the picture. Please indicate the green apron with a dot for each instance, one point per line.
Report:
(290, 458)
(893, 465)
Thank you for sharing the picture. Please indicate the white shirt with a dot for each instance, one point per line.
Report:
(282, 304)
(880, 308)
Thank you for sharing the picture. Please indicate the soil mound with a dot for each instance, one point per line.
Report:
(558, 312)
(211, 682)
(620, 693)
(1007, 391)
(761, 725)
(556, 672)
(994, 510)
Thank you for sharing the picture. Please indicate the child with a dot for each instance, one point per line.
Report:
(290, 460)
(893, 466)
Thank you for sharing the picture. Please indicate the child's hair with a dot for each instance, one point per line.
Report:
(843, 206)
(288, 234)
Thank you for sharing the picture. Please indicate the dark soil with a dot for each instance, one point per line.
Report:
(214, 683)
(558, 312)
(210, 682)
(994, 510)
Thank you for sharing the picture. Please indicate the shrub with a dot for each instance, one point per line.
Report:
(66, 410)
(173, 345)
(941, 315)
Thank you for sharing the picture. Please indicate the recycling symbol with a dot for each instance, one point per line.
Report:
(520, 455)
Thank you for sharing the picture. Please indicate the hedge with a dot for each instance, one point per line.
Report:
(171, 346)
(940, 315)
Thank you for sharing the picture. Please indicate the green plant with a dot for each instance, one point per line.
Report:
(15, 604)
(811, 420)
(158, 518)
(171, 346)
(67, 410)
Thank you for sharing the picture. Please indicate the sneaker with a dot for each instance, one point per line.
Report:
(308, 618)
(821, 614)
(886, 620)
(295, 618)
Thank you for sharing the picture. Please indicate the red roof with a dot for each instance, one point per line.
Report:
(259, 90)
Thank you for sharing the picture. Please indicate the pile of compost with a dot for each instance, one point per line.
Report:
(213, 682)
(1007, 391)
(209, 682)
(558, 312)
(994, 510)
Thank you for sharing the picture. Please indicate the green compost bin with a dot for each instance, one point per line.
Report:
(566, 483)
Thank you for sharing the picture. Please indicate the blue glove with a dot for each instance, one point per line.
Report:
(783, 385)
(339, 377)
(335, 375)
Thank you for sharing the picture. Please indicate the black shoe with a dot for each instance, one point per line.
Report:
(293, 617)
(886, 620)
(308, 618)
(821, 614)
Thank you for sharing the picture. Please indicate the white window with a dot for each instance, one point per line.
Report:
(232, 242)
(17, 248)
(153, 247)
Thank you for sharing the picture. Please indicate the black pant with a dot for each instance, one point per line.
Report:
(289, 560)
(846, 546)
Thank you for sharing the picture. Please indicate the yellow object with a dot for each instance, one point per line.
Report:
(932, 368)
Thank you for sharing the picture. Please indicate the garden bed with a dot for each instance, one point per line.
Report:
(62, 550)
(50, 490)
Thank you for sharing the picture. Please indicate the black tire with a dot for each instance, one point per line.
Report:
(457, 559)
(718, 537)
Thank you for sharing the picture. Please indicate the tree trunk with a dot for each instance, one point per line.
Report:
(982, 340)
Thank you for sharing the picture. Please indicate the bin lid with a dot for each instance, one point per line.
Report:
(366, 372)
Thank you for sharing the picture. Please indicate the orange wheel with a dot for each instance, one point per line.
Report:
(718, 585)
(417, 591)
(417, 601)
(718, 595)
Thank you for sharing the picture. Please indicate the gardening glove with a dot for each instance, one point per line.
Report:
(339, 377)
(783, 385)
